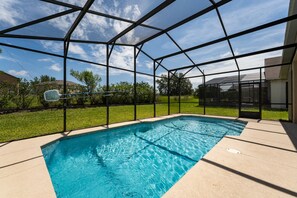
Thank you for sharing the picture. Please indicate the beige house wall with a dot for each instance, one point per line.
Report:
(278, 93)
(290, 95)
(294, 90)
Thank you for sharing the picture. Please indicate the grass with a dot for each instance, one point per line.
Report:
(29, 124)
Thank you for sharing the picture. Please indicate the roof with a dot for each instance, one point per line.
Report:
(6, 74)
(59, 82)
(234, 79)
(7, 78)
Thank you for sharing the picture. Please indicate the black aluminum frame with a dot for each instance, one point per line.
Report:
(157, 62)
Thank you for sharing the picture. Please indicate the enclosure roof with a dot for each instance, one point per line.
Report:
(209, 35)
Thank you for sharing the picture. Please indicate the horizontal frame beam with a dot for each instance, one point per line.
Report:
(239, 56)
(17, 36)
(254, 29)
(78, 19)
(200, 13)
(30, 23)
(142, 19)
(98, 13)
(70, 58)
(247, 69)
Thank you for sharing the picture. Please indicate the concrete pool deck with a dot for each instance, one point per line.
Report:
(265, 167)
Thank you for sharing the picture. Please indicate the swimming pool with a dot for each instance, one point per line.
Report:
(140, 160)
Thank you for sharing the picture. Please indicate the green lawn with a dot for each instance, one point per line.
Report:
(28, 124)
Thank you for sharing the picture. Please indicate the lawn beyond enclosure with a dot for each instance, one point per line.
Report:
(29, 124)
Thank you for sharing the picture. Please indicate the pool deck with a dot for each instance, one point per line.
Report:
(265, 167)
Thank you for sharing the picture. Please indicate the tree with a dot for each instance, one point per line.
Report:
(7, 92)
(175, 81)
(39, 90)
(123, 93)
(46, 78)
(145, 92)
(23, 100)
(91, 82)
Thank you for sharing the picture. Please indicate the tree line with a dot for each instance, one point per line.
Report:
(29, 93)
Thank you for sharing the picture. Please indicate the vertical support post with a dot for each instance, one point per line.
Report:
(204, 95)
(107, 84)
(168, 92)
(134, 85)
(64, 87)
(179, 93)
(154, 88)
(260, 94)
(239, 94)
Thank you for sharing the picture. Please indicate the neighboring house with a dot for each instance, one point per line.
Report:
(9, 81)
(278, 86)
(223, 91)
(58, 84)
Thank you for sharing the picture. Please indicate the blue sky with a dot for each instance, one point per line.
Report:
(237, 15)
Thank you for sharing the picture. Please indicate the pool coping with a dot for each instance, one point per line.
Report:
(23, 172)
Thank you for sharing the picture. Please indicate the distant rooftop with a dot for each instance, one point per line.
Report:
(59, 82)
(234, 79)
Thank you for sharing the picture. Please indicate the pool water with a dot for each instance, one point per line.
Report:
(140, 160)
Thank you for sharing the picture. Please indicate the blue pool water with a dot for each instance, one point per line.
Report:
(141, 160)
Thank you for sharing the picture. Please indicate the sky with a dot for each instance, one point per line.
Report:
(237, 16)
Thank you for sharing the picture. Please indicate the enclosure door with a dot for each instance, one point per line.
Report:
(249, 103)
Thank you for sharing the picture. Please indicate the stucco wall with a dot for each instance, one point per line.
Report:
(278, 93)
(294, 89)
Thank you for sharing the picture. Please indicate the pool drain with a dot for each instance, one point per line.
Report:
(234, 151)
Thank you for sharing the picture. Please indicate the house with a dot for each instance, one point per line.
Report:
(278, 85)
(9, 81)
(59, 84)
(224, 91)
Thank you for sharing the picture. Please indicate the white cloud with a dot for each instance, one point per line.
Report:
(53, 46)
(145, 63)
(7, 58)
(227, 54)
(45, 60)
(256, 60)
(133, 11)
(55, 67)
(239, 15)
(9, 15)
(21, 73)
(99, 53)
(63, 23)
(78, 50)
(123, 57)
(199, 31)
(93, 27)
(149, 64)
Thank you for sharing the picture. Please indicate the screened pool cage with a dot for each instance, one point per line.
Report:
(224, 78)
